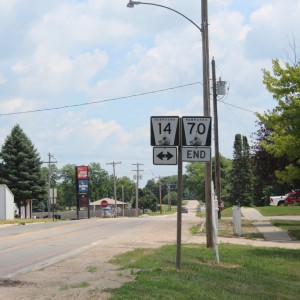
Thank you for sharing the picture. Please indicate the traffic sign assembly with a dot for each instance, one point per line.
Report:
(164, 131)
(196, 131)
(165, 155)
(193, 133)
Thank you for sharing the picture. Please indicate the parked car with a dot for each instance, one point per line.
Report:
(107, 213)
(184, 210)
(293, 197)
(287, 199)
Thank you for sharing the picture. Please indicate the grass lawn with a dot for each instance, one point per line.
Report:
(165, 211)
(245, 272)
(26, 221)
(279, 210)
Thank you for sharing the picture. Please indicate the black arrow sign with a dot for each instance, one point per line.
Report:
(161, 155)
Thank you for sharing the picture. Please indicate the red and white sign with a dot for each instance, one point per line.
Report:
(104, 203)
(82, 172)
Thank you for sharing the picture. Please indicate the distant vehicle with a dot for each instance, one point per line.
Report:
(293, 197)
(107, 213)
(277, 200)
(184, 210)
(287, 199)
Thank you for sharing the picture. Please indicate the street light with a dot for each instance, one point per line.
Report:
(131, 4)
(206, 105)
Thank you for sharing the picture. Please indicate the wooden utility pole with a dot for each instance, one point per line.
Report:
(160, 196)
(115, 185)
(137, 187)
(216, 130)
(49, 162)
(206, 108)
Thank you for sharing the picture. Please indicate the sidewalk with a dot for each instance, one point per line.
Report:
(270, 232)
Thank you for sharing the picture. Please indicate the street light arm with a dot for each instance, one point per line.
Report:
(131, 4)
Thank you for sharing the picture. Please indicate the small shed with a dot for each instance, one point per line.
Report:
(7, 206)
(96, 205)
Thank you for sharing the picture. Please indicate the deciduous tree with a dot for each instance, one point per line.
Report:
(283, 122)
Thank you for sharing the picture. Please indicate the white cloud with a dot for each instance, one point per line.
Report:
(58, 53)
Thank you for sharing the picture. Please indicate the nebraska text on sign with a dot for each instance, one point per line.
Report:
(193, 154)
(165, 155)
(196, 131)
(164, 131)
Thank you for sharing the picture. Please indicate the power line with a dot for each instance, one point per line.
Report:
(117, 99)
(101, 101)
(242, 108)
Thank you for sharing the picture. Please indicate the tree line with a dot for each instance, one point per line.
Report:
(270, 166)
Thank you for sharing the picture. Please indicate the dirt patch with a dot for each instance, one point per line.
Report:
(12, 283)
(88, 277)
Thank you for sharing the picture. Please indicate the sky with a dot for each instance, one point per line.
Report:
(83, 77)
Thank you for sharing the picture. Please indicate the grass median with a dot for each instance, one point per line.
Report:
(245, 272)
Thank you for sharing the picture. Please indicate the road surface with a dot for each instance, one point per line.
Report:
(34, 246)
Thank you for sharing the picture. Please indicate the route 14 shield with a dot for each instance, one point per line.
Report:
(164, 131)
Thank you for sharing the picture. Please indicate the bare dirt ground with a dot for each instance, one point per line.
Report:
(79, 277)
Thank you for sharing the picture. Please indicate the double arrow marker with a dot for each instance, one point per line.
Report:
(161, 155)
(165, 155)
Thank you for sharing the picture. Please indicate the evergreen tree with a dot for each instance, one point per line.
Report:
(226, 169)
(241, 176)
(20, 168)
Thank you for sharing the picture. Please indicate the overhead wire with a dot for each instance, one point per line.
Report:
(116, 99)
(100, 101)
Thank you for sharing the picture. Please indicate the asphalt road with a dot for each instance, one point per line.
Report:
(34, 246)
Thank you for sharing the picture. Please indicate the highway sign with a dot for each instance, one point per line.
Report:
(164, 131)
(193, 154)
(165, 155)
(196, 131)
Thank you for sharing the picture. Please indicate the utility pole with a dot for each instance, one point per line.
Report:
(49, 162)
(160, 200)
(137, 187)
(169, 196)
(123, 200)
(115, 187)
(206, 108)
(216, 130)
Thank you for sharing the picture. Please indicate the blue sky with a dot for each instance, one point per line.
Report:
(65, 52)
